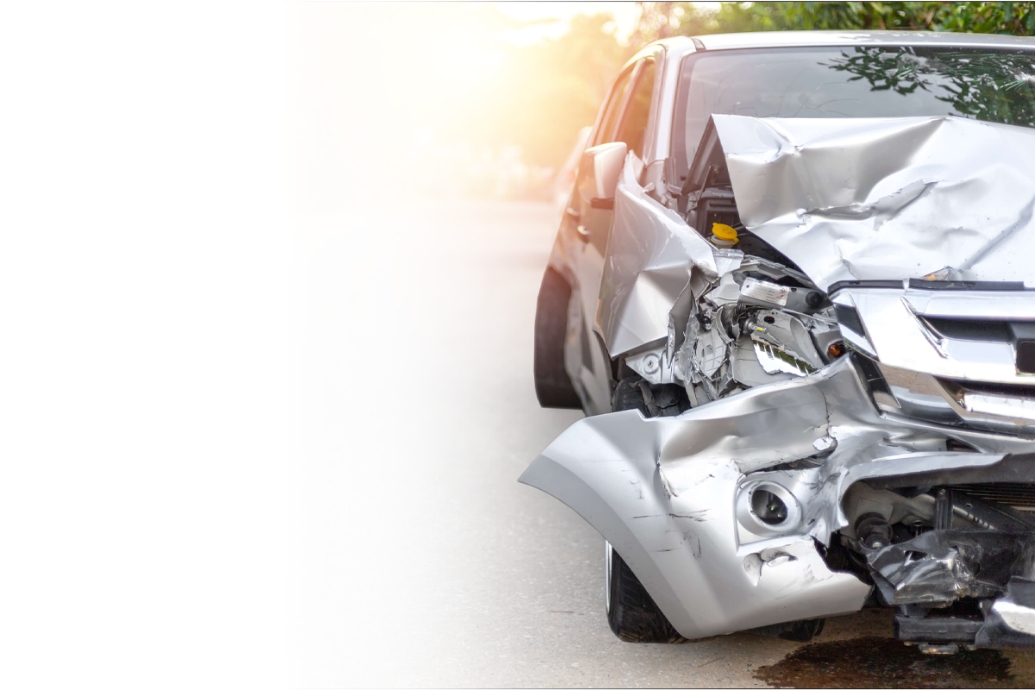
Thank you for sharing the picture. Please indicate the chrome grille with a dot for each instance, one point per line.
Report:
(1019, 496)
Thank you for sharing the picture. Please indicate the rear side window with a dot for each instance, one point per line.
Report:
(614, 108)
(637, 113)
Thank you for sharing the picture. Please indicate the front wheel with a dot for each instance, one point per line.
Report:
(631, 613)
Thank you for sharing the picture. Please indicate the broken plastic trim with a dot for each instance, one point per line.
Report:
(777, 360)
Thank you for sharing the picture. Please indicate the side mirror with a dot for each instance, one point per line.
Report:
(598, 174)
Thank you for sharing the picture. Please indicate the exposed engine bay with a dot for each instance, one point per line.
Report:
(758, 324)
(822, 431)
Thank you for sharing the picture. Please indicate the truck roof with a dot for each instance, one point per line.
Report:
(776, 39)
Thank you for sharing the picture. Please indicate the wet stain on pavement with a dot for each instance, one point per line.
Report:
(878, 662)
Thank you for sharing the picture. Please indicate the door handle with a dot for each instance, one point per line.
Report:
(583, 232)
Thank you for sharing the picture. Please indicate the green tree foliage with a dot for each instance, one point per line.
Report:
(1016, 18)
(660, 19)
(986, 87)
(550, 89)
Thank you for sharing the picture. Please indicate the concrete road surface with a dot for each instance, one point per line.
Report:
(422, 561)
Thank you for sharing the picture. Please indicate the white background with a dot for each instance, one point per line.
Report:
(149, 359)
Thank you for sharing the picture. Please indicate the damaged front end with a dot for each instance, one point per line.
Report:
(851, 345)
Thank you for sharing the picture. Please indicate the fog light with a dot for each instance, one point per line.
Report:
(768, 507)
(765, 509)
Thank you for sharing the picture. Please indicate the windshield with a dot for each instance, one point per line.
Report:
(865, 81)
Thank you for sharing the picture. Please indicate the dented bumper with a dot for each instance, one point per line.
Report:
(673, 496)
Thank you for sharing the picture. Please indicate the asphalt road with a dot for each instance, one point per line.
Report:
(421, 560)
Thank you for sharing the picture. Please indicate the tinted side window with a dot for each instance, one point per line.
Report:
(614, 108)
(637, 113)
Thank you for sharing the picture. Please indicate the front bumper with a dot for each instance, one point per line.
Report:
(672, 495)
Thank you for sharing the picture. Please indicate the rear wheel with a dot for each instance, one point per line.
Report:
(552, 385)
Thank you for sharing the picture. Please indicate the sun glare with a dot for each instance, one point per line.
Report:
(446, 91)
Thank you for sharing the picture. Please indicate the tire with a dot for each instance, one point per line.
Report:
(631, 613)
(663, 400)
(628, 396)
(553, 388)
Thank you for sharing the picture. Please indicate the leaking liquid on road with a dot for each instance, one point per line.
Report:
(878, 662)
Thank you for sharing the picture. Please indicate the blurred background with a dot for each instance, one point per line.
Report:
(487, 100)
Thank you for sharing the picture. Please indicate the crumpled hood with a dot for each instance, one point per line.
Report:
(887, 198)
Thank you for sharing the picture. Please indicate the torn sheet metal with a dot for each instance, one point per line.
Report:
(887, 198)
(647, 269)
(669, 297)
(942, 566)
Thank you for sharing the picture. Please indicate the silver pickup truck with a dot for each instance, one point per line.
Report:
(794, 293)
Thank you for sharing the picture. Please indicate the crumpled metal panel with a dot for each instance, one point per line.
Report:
(681, 547)
(887, 198)
(650, 254)
(944, 565)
